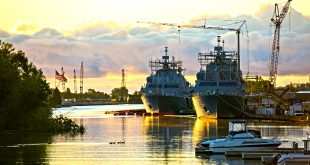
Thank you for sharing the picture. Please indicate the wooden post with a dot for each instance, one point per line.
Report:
(306, 146)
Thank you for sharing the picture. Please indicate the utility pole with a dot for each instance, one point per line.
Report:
(63, 82)
(123, 84)
(75, 87)
(123, 87)
(81, 78)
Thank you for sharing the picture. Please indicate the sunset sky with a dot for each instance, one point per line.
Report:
(105, 36)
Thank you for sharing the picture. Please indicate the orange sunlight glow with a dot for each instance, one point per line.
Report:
(106, 83)
(134, 81)
(20, 16)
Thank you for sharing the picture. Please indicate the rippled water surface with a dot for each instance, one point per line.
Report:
(133, 140)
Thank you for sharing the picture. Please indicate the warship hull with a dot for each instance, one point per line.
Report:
(219, 106)
(167, 105)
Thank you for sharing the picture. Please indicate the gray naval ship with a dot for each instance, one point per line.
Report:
(166, 92)
(218, 92)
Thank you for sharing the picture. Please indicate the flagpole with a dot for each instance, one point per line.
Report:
(55, 79)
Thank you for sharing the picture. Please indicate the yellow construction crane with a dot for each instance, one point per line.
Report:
(277, 20)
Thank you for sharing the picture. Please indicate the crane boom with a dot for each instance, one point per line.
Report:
(277, 20)
(198, 27)
(237, 30)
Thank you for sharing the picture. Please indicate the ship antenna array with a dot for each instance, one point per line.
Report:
(165, 63)
(166, 54)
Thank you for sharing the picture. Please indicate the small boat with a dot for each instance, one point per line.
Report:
(290, 158)
(294, 158)
(240, 139)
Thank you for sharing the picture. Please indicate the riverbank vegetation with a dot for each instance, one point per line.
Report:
(93, 97)
(89, 94)
(25, 96)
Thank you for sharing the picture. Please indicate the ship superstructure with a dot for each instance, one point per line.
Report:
(166, 90)
(218, 92)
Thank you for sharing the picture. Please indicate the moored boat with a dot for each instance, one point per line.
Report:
(240, 139)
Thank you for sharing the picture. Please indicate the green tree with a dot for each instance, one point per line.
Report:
(9, 86)
(91, 91)
(93, 94)
(257, 86)
(119, 94)
(24, 95)
(137, 93)
(67, 94)
(55, 99)
(135, 98)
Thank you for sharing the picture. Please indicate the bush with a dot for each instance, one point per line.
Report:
(61, 124)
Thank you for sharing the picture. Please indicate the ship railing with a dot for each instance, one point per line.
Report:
(170, 94)
(215, 92)
(163, 94)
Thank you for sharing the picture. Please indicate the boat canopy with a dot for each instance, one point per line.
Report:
(237, 126)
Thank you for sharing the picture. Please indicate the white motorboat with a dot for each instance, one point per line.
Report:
(240, 139)
(294, 158)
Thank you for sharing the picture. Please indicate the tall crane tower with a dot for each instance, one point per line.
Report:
(204, 26)
(81, 78)
(123, 87)
(74, 77)
(64, 80)
(123, 84)
(277, 20)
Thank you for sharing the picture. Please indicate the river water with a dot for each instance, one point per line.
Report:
(133, 140)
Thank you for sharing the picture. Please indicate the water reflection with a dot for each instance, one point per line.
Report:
(209, 128)
(147, 140)
(24, 148)
(283, 131)
(168, 138)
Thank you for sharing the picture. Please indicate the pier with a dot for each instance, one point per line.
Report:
(264, 156)
(289, 155)
(282, 118)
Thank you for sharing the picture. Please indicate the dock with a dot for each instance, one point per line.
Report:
(281, 118)
(263, 155)
(259, 154)
(250, 154)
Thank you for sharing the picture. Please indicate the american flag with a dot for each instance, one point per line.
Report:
(60, 77)
(64, 79)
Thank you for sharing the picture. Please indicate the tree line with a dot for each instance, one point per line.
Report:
(118, 95)
(90, 93)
